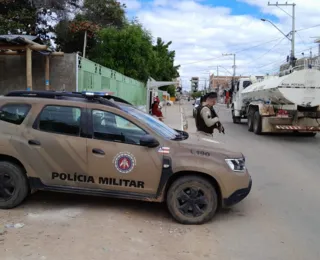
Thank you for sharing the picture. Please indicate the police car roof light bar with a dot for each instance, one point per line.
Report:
(55, 94)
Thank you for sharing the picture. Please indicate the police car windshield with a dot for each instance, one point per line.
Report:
(156, 125)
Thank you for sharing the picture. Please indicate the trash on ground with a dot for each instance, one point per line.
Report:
(18, 225)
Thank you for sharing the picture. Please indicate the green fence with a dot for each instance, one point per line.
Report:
(94, 77)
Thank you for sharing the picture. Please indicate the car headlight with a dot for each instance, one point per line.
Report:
(237, 165)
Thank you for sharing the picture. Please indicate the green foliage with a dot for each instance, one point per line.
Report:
(32, 17)
(171, 90)
(70, 34)
(105, 12)
(17, 17)
(196, 94)
(165, 69)
(102, 13)
(128, 51)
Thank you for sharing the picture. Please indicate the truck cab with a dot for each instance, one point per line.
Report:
(237, 107)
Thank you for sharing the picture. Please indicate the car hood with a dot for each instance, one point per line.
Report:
(203, 143)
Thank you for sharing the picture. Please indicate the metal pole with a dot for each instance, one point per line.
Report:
(293, 32)
(234, 68)
(84, 45)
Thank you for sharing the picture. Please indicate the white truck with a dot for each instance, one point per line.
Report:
(289, 103)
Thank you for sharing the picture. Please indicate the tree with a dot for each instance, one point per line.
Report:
(196, 94)
(97, 13)
(70, 34)
(171, 90)
(165, 69)
(128, 51)
(105, 12)
(17, 17)
(33, 17)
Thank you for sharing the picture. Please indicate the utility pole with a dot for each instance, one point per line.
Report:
(293, 32)
(217, 71)
(234, 66)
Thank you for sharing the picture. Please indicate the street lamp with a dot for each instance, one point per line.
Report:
(285, 35)
(292, 39)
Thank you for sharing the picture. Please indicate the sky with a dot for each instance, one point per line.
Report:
(202, 31)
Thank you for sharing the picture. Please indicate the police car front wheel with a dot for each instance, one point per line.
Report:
(192, 200)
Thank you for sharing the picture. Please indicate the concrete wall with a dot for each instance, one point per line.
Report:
(62, 72)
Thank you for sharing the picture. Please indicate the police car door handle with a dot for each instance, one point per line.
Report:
(34, 142)
(98, 151)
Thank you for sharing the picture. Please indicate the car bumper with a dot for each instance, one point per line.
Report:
(237, 196)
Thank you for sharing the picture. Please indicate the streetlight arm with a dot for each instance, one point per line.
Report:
(285, 35)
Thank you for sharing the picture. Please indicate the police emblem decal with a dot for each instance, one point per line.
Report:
(124, 162)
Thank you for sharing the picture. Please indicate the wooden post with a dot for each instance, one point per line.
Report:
(47, 73)
(29, 68)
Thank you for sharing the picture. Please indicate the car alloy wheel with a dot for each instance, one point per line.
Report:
(7, 186)
(192, 202)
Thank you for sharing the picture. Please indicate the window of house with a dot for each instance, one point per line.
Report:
(14, 113)
(110, 127)
(60, 120)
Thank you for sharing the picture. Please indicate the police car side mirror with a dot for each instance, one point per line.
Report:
(149, 141)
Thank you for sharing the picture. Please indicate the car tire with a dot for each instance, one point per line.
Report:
(235, 119)
(192, 200)
(257, 123)
(14, 186)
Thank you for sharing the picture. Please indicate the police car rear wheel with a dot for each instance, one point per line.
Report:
(192, 200)
(14, 186)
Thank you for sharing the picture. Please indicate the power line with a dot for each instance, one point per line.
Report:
(217, 57)
(249, 48)
(278, 43)
(303, 29)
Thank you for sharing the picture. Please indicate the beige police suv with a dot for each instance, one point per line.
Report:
(93, 143)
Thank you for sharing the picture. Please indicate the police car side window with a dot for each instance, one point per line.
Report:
(110, 127)
(60, 120)
(14, 113)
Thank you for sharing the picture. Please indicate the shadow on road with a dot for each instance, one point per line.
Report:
(139, 209)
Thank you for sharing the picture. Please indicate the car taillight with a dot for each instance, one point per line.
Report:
(282, 113)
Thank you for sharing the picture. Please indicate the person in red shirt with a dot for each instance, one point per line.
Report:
(156, 110)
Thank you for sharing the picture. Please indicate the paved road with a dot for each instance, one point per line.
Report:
(280, 218)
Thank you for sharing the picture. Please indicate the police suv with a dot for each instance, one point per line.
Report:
(97, 144)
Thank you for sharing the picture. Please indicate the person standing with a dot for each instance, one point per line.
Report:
(207, 119)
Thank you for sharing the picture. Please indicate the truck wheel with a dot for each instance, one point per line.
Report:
(235, 119)
(192, 200)
(14, 186)
(250, 121)
(257, 123)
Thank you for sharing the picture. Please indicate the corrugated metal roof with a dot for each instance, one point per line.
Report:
(14, 39)
(17, 39)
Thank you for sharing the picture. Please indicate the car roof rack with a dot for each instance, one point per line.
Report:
(88, 95)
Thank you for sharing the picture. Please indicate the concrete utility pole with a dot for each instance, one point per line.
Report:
(293, 32)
